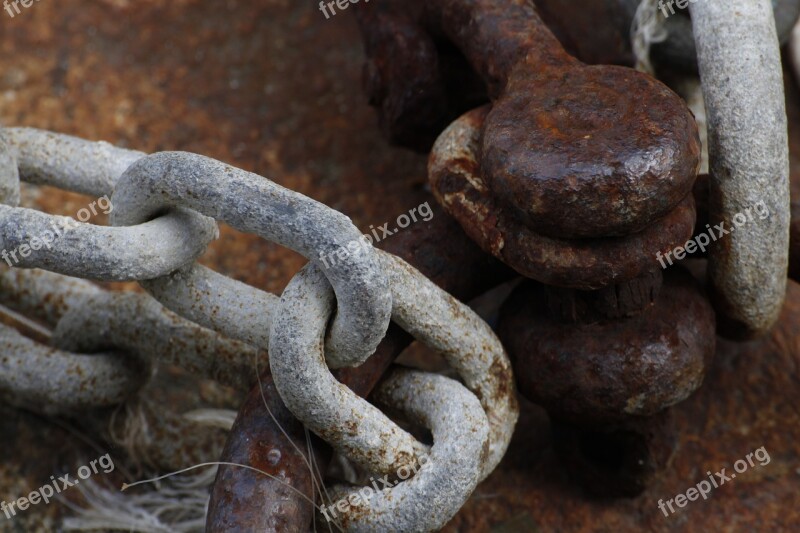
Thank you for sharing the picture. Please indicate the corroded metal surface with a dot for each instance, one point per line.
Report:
(607, 369)
(459, 185)
(749, 400)
(434, 248)
(273, 87)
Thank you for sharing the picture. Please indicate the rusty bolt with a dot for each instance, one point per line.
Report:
(608, 370)
(585, 264)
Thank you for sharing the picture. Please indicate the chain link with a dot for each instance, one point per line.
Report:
(165, 209)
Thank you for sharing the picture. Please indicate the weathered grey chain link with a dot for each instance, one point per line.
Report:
(164, 211)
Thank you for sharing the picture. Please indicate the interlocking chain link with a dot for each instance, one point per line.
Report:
(165, 208)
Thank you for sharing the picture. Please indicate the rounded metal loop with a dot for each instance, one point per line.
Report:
(253, 204)
(43, 295)
(62, 245)
(443, 480)
(198, 293)
(742, 79)
(138, 324)
(67, 162)
(155, 248)
(44, 379)
(347, 422)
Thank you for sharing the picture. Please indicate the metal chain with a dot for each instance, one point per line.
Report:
(165, 208)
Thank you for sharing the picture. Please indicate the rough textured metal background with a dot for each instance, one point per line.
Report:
(273, 87)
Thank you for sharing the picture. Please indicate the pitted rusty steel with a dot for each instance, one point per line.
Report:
(741, 73)
(454, 171)
(571, 150)
(611, 369)
(251, 203)
(411, 68)
(268, 437)
(352, 426)
(568, 149)
(618, 459)
(416, 79)
(272, 440)
(616, 301)
(443, 480)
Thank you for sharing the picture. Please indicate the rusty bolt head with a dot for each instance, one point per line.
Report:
(581, 151)
(585, 264)
(611, 369)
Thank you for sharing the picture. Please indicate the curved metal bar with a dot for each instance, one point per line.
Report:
(443, 480)
(198, 293)
(347, 422)
(40, 378)
(253, 204)
(138, 324)
(32, 239)
(742, 78)
(155, 248)
(66, 162)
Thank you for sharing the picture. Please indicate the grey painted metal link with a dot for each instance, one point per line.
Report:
(741, 74)
(347, 422)
(253, 204)
(350, 424)
(69, 163)
(138, 324)
(445, 479)
(145, 251)
(43, 295)
(44, 379)
(198, 294)
(69, 247)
